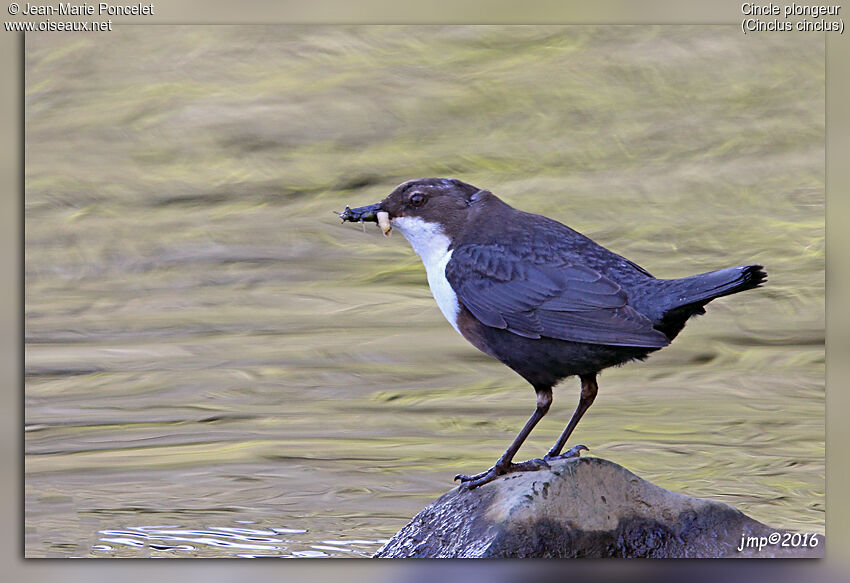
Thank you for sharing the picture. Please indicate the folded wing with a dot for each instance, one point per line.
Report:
(556, 299)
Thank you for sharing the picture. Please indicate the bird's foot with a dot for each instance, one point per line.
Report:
(574, 451)
(500, 469)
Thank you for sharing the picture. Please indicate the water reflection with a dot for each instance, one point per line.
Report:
(230, 540)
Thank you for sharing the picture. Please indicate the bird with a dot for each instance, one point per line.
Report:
(540, 297)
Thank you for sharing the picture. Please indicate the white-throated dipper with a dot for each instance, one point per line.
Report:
(540, 297)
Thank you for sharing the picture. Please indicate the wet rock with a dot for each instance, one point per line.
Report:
(586, 507)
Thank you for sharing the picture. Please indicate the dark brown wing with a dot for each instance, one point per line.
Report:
(555, 299)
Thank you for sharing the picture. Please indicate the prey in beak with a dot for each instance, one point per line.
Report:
(372, 213)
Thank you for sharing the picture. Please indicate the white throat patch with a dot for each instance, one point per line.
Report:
(432, 245)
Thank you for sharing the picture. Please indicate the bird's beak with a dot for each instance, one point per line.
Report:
(372, 213)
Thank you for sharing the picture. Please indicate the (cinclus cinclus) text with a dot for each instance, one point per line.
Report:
(540, 297)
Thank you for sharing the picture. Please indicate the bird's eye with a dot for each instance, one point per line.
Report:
(417, 200)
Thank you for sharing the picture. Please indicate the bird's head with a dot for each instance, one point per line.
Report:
(421, 207)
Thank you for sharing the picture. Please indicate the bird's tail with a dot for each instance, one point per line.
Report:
(705, 287)
(688, 295)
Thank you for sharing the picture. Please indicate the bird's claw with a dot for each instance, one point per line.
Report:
(574, 451)
(532, 465)
(473, 482)
(464, 478)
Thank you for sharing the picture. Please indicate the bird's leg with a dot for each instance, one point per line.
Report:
(504, 465)
(589, 389)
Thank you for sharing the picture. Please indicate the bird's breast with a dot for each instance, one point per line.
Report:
(432, 245)
(442, 290)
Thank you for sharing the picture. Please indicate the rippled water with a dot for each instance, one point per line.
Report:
(243, 542)
(216, 367)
